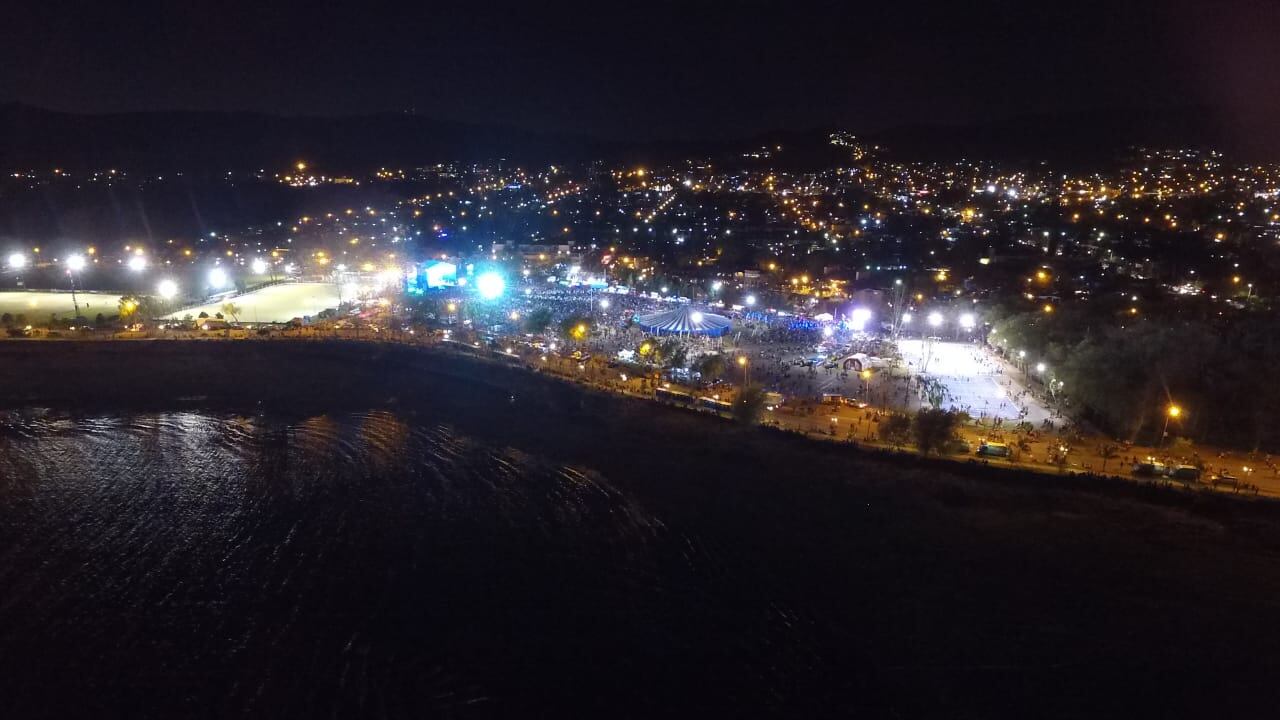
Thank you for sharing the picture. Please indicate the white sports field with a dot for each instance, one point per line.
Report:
(277, 303)
(37, 305)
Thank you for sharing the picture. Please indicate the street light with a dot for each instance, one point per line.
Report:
(1040, 367)
(17, 261)
(75, 264)
(1172, 412)
(167, 289)
(259, 266)
(137, 263)
(935, 319)
(217, 278)
(967, 321)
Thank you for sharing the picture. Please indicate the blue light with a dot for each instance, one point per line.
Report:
(490, 285)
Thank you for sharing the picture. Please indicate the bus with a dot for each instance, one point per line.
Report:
(673, 396)
(719, 406)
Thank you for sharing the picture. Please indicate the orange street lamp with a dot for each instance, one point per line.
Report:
(1170, 413)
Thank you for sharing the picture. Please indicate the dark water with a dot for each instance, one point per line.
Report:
(383, 564)
(188, 564)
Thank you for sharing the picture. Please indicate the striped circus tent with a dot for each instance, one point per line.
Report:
(684, 320)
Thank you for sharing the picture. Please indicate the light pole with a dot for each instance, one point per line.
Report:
(1173, 411)
(898, 309)
(746, 370)
(75, 264)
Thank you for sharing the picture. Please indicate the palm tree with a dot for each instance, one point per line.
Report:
(230, 308)
(1108, 452)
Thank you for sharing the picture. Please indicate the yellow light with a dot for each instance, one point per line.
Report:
(1174, 411)
(742, 360)
(301, 166)
(1048, 308)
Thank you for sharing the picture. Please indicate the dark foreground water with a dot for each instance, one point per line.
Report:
(350, 564)
(389, 565)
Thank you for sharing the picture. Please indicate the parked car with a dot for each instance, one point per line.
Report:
(1224, 479)
(993, 449)
(1149, 468)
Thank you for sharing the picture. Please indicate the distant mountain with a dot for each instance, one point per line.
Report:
(32, 137)
(1086, 138)
(35, 137)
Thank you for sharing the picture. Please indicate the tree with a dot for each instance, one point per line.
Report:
(128, 306)
(748, 405)
(203, 315)
(538, 321)
(99, 320)
(895, 429)
(232, 309)
(1108, 451)
(7, 319)
(672, 353)
(933, 429)
(711, 367)
(575, 327)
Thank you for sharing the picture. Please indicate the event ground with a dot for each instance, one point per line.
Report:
(973, 379)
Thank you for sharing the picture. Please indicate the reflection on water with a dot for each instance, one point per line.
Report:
(355, 564)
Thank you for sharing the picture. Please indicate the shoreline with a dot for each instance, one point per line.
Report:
(252, 377)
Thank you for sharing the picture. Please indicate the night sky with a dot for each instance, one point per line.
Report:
(649, 70)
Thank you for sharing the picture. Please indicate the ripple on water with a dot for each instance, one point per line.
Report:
(336, 560)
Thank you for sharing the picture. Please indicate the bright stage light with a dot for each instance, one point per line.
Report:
(218, 278)
(137, 263)
(259, 266)
(75, 263)
(167, 289)
(967, 321)
(491, 285)
(859, 318)
(17, 261)
(935, 319)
